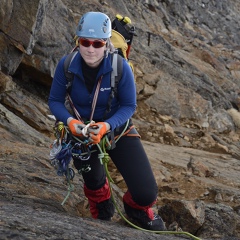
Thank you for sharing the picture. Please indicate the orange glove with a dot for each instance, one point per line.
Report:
(75, 126)
(97, 131)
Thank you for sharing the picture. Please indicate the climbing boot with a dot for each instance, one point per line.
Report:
(101, 205)
(142, 215)
(147, 219)
(105, 210)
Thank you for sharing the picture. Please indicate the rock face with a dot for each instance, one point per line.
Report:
(187, 68)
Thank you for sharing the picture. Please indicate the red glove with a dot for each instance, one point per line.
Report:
(75, 126)
(97, 131)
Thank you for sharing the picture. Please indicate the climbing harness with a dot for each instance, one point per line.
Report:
(67, 146)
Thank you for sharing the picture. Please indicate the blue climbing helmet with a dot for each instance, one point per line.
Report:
(94, 25)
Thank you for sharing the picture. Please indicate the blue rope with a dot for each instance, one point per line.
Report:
(64, 157)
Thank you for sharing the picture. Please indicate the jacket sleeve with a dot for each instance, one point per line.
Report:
(126, 94)
(57, 94)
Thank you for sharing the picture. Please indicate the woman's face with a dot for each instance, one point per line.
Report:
(92, 50)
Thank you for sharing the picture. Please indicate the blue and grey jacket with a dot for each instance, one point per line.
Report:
(122, 106)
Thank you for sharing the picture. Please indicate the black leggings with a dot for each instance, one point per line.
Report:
(132, 162)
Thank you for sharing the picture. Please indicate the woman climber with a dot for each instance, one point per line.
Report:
(90, 94)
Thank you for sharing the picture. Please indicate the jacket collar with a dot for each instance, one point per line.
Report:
(76, 66)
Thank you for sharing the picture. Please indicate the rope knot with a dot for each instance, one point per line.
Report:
(106, 158)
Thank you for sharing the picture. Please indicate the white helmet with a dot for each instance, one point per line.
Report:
(94, 25)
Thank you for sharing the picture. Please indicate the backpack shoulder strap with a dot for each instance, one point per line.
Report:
(116, 75)
(69, 75)
(117, 65)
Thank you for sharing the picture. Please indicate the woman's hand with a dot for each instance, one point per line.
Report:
(75, 126)
(97, 131)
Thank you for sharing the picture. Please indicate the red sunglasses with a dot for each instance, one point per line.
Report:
(87, 43)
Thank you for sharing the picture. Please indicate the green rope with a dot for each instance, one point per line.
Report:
(104, 158)
(70, 188)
